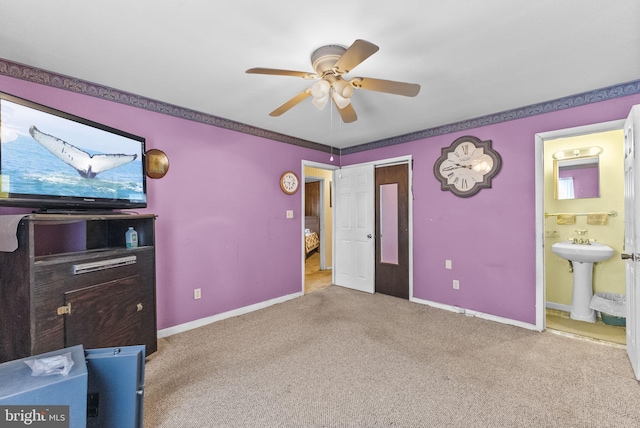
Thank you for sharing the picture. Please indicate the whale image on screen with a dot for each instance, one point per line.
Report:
(87, 165)
(45, 155)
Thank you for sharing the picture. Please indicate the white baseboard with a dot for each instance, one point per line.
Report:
(218, 317)
(564, 308)
(471, 313)
(251, 308)
(558, 306)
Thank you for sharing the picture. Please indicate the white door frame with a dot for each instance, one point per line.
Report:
(318, 165)
(321, 220)
(539, 149)
(408, 159)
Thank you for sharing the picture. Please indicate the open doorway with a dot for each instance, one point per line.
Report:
(583, 174)
(631, 217)
(328, 251)
(317, 226)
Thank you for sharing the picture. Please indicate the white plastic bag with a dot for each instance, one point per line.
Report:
(50, 366)
(610, 303)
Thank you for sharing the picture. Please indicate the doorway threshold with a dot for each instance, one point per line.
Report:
(559, 321)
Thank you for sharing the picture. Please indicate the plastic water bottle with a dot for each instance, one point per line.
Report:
(131, 238)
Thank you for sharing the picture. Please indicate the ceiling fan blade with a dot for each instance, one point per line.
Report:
(355, 54)
(388, 86)
(277, 72)
(291, 103)
(348, 114)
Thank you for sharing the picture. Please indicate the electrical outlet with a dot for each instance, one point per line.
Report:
(197, 293)
(289, 213)
(447, 264)
(456, 284)
(551, 234)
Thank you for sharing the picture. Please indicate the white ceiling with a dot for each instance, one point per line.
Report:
(471, 58)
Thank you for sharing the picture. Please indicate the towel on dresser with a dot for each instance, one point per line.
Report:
(566, 219)
(8, 232)
(598, 218)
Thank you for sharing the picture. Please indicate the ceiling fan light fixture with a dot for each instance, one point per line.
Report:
(320, 102)
(340, 101)
(343, 88)
(320, 92)
(320, 89)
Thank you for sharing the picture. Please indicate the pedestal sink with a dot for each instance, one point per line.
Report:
(583, 256)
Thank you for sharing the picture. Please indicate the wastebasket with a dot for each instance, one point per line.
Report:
(612, 308)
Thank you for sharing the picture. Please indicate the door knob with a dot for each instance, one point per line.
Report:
(369, 236)
(628, 256)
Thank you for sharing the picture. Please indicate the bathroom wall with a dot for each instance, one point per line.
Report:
(609, 275)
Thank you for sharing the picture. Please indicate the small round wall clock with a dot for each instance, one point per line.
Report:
(467, 166)
(289, 182)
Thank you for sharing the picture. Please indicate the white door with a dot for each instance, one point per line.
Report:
(631, 236)
(354, 226)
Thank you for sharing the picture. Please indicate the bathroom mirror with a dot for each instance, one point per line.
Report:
(577, 177)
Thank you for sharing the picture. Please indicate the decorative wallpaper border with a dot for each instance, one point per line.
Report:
(24, 72)
(611, 92)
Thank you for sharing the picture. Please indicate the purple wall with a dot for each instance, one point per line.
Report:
(489, 237)
(586, 180)
(221, 214)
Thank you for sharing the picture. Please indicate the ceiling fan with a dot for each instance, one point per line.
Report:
(330, 64)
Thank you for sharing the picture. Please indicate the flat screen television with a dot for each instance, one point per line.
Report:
(52, 160)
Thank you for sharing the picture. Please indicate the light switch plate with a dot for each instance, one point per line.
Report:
(289, 213)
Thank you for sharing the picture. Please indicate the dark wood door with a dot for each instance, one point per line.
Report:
(312, 198)
(95, 321)
(392, 244)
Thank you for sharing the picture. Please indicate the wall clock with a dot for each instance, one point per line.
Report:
(467, 166)
(289, 182)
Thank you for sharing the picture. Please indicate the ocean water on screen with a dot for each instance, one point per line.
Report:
(30, 169)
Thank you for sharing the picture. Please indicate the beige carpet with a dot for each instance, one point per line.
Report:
(341, 358)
